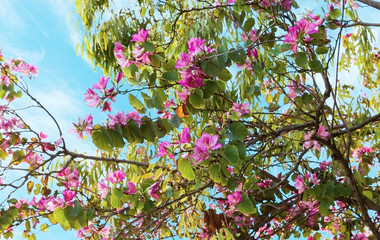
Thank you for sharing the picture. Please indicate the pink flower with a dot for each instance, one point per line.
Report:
(208, 142)
(131, 187)
(169, 103)
(314, 179)
(184, 94)
(162, 150)
(134, 115)
(200, 154)
(195, 45)
(300, 186)
(120, 118)
(102, 189)
(322, 132)
(292, 38)
(91, 98)
(286, 4)
(240, 108)
(43, 135)
(106, 107)
(68, 195)
(251, 36)
(141, 36)
(85, 125)
(183, 61)
(116, 177)
(118, 47)
(185, 136)
(234, 198)
(192, 77)
(102, 84)
(5, 80)
(119, 76)
(141, 55)
(153, 190)
(305, 27)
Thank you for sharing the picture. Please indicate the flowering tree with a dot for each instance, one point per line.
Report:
(242, 127)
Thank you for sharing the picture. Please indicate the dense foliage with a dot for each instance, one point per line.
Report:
(238, 125)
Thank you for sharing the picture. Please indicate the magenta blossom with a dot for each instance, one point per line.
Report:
(102, 84)
(185, 136)
(120, 118)
(241, 108)
(162, 150)
(208, 142)
(183, 61)
(134, 115)
(131, 187)
(300, 186)
(292, 37)
(286, 4)
(102, 189)
(68, 195)
(192, 77)
(184, 94)
(234, 198)
(118, 47)
(91, 98)
(196, 45)
(116, 177)
(85, 125)
(153, 190)
(200, 154)
(141, 36)
(305, 27)
(141, 55)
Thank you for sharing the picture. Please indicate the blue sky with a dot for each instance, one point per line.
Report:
(41, 33)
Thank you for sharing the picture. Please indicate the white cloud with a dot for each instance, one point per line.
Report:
(9, 18)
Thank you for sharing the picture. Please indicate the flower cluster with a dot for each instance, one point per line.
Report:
(302, 29)
(322, 133)
(94, 100)
(85, 125)
(192, 76)
(365, 154)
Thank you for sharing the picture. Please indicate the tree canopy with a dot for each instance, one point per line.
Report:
(237, 124)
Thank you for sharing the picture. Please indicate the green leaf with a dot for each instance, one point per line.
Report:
(237, 56)
(70, 213)
(186, 170)
(316, 66)
(225, 75)
(147, 130)
(231, 154)
(211, 67)
(322, 50)
(100, 140)
(196, 99)
(368, 194)
(175, 121)
(209, 89)
(171, 75)
(157, 101)
(214, 171)
(239, 130)
(59, 215)
(301, 59)
(117, 139)
(149, 47)
(248, 24)
(246, 206)
(137, 104)
(116, 202)
(324, 205)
